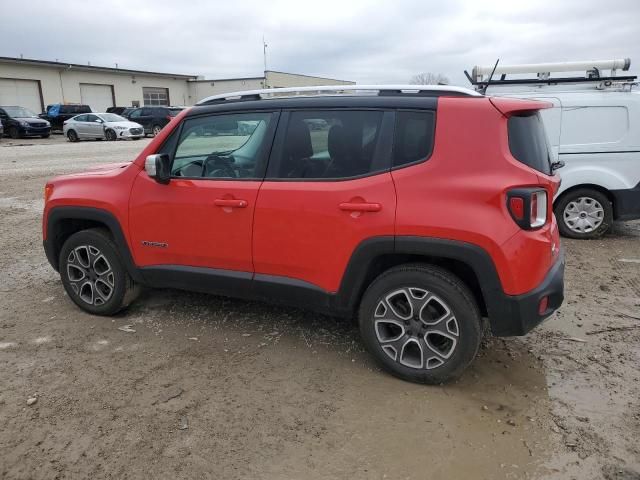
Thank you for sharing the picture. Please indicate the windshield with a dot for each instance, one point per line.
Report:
(112, 117)
(19, 112)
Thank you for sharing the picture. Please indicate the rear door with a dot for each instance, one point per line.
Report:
(328, 188)
(80, 125)
(204, 216)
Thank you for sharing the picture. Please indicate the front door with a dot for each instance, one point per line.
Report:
(204, 216)
(328, 188)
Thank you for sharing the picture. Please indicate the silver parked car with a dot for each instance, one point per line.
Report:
(100, 126)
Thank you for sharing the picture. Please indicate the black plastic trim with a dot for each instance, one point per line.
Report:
(626, 203)
(52, 244)
(199, 279)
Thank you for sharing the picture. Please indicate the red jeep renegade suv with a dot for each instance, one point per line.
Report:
(422, 212)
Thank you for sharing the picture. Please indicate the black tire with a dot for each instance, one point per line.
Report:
(14, 133)
(45, 136)
(111, 135)
(91, 257)
(582, 198)
(72, 136)
(155, 130)
(444, 291)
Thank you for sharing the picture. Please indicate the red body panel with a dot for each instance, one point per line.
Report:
(184, 216)
(301, 231)
(460, 192)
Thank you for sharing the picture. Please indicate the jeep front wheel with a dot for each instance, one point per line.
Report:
(93, 274)
(420, 323)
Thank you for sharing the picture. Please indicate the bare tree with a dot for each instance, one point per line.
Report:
(429, 78)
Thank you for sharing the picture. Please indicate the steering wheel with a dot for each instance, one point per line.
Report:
(219, 166)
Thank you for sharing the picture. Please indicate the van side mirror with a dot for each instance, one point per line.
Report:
(158, 167)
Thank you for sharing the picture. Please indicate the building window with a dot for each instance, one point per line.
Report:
(153, 96)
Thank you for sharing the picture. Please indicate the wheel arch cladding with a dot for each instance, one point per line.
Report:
(62, 222)
(372, 257)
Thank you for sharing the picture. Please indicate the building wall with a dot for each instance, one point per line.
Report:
(63, 85)
(281, 79)
(200, 89)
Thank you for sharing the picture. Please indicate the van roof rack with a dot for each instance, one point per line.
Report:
(381, 90)
(593, 69)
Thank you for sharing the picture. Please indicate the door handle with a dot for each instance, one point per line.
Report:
(360, 207)
(230, 202)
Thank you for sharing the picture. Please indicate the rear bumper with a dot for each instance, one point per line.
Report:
(514, 315)
(626, 205)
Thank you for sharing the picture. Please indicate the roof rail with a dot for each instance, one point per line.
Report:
(592, 68)
(382, 90)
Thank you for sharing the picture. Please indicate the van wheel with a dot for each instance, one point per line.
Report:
(72, 136)
(111, 135)
(584, 213)
(93, 274)
(420, 323)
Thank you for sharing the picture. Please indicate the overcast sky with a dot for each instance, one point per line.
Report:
(365, 41)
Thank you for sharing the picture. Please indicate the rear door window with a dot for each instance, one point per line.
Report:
(528, 141)
(413, 139)
(331, 145)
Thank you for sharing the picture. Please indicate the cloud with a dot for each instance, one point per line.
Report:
(366, 41)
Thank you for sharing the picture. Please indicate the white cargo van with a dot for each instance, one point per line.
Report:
(594, 128)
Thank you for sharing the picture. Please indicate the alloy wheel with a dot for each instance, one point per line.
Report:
(583, 215)
(90, 275)
(156, 130)
(416, 328)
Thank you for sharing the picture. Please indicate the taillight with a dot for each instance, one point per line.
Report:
(528, 207)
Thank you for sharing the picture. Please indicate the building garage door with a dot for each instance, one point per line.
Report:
(24, 93)
(98, 97)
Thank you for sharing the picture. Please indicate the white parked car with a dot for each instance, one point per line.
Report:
(98, 126)
(594, 128)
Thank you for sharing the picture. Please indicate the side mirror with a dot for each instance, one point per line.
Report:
(97, 120)
(158, 167)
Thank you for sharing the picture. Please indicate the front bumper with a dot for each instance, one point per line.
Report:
(34, 131)
(626, 204)
(131, 133)
(515, 315)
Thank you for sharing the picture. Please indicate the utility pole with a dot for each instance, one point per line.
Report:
(264, 53)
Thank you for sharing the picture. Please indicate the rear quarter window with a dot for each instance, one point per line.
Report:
(528, 141)
(413, 138)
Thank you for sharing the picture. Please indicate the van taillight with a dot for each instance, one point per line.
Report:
(528, 207)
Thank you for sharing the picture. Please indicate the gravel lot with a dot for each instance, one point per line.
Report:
(207, 387)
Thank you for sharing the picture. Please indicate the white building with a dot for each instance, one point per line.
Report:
(37, 83)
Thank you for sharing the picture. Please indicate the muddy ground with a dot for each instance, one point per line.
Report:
(207, 387)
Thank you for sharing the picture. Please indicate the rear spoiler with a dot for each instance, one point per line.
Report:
(508, 106)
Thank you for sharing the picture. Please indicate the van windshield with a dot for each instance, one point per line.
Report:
(528, 141)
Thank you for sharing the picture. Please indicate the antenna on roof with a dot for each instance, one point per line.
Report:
(484, 90)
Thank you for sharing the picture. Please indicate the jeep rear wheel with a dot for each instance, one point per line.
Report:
(93, 274)
(583, 214)
(420, 323)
